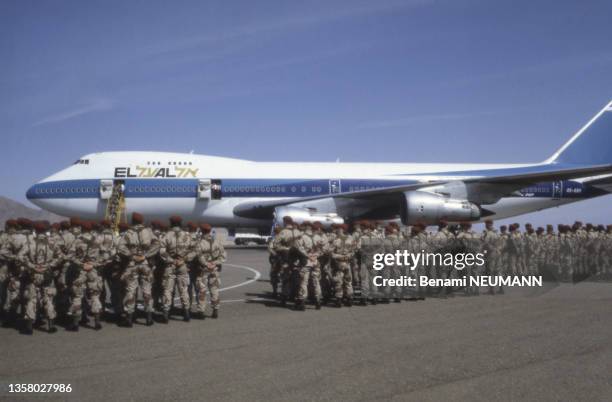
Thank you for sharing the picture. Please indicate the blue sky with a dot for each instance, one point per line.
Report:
(402, 81)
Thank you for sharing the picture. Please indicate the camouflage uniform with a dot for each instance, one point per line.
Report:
(286, 248)
(136, 246)
(470, 244)
(392, 243)
(210, 256)
(39, 260)
(343, 249)
(15, 244)
(88, 282)
(176, 250)
(276, 264)
(310, 271)
(492, 244)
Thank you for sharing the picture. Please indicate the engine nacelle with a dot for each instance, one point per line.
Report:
(300, 215)
(429, 209)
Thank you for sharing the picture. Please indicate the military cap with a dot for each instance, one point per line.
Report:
(442, 223)
(601, 228)
(105, 223)
(65, 224)
(137, 218)
(123, 227)
(287, 220)
(609, 227)
(503, 228)
(205, 228)
(343, 226)
(540, 230)
(86, 226)
(175, 220)
(192, 227)
(11, 223)
(527, 225)
(56, 226)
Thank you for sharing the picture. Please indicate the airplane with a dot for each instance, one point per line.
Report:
(236, 193)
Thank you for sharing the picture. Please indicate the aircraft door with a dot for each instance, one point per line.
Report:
(209, 189)
(334, 186)
(106, 189)
(557, 189)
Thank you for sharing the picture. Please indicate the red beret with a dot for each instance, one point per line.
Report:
(74, 221)
(205, 227)
(86, 226)
(11, 223)
(137, 218)
(176, 220)
(123, 226)
(41, 226)
(65, 224)
(105, 223)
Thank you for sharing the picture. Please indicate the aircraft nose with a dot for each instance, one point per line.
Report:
(31, 193)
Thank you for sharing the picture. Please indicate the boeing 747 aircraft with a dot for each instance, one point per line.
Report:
(236, 193)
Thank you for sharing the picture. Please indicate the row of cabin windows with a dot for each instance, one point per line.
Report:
(65, 190)
(81, 162)
(171, 163)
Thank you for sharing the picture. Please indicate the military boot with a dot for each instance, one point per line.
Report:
(9, 320)
(84, 320)
(318, 305)
(128, 320)
(149, 321)
(299, 305)
(349, 302)
(215, 313)
(97, 325)
(51, 328)
(199, 315)
(165, 317)
(74, 325)
(339, 303)
(27, 328)
(186, 315)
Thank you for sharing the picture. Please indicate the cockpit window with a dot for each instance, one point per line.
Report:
(82, 162)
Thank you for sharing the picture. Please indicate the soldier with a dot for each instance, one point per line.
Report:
(531, 250)
(326, 237)
(9, 226)
(88, 281)
(392, 243)
(286, 248)
(356, 261)
(492, 245)
(579, 245)
(441, 242)
(310, 272)
(69, 232)
(137, 245)
(39, 259)
(504, 239)
(370, 245)
(210, 257)
(514, 250)
(470, 244)
(275, 262)
(175, 251)
(107, 241)
(17, 240)
(343, 249)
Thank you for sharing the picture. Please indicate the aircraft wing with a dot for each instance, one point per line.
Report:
(480, 187)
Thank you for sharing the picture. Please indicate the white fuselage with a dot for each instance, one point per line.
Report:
(159, 185)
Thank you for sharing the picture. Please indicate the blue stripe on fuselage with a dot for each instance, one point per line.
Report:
(187, 188)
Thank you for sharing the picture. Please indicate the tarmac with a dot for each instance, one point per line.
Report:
(550, 344)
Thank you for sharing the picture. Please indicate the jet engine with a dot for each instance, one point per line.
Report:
(429, 209)
(300, 215)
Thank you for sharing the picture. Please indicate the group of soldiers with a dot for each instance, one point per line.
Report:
(68, 268)
(311, 262)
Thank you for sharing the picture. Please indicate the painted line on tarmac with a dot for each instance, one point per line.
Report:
(253, 270)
